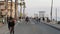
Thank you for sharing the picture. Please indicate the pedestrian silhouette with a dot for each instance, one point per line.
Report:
(11, 24)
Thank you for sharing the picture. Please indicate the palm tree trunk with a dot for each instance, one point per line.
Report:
(11, 9)
(15, 7)
(21, 11)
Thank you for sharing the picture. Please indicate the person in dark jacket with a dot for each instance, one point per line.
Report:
(11, 24)
(39, 19)
(27, 20)
(43, 19)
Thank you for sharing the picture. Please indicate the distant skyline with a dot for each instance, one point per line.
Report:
(34, 6)
(39, 5)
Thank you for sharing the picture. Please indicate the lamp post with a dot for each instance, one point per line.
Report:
(51, 9)
(56, 14)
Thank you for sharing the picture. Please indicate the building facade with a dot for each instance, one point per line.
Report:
(2, 7)
(7, 11)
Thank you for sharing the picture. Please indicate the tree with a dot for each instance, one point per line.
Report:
(24, 9)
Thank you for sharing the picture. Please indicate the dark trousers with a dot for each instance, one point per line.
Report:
(11, 29)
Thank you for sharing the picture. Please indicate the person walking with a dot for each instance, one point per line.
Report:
(27, 20)
(11, 24)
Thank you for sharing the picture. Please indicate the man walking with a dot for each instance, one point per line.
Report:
(11, 24)
(27, 20)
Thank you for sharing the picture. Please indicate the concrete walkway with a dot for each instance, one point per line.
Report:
(1, 24)
(3, 29)
(34, 29)
(56, 26)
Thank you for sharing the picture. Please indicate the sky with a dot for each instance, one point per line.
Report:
(34, 6)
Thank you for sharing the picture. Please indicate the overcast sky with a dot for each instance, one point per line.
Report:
(44, 5)
(34, 6)
(41, 3)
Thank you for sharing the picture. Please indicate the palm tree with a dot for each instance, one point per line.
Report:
(11, 9)
(24, 9)
(6, 6)
(16, 8)
(0, 11)
(22, 0)
(20, 9)
(22, 6)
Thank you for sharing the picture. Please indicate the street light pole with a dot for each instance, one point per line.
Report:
(51, 9)
(56, 14)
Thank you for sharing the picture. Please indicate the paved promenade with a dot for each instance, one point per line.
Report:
(56, 26)
(31, 28)
(3, 29)
(1, 24)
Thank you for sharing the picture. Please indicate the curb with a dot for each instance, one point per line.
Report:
(53, 27)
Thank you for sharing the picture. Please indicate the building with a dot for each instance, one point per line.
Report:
(7, 11)
(2, 7)
(41, 14)
(35, 15)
